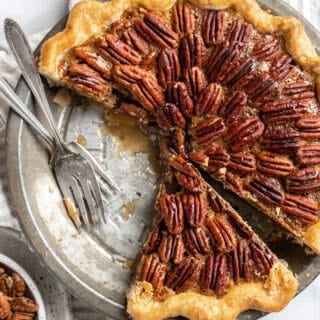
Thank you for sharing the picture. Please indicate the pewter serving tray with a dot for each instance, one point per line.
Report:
(96, 268)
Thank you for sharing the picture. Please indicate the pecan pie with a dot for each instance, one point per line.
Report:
(234, 91)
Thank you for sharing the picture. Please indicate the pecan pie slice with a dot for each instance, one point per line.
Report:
(235, 90)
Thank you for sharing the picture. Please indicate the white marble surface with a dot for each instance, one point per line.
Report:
(38, 15)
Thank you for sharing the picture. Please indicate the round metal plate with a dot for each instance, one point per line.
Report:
(96, 267)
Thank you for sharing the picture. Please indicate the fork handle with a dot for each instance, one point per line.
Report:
(23, 55)
(10, 98)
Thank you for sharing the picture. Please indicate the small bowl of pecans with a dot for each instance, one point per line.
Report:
(20, 298)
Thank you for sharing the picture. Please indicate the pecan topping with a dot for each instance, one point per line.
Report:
(85, 79)
(169, 117)
(240, 32)
(177, 93)
(192, 51)
(195, 208)
(234, 182)
(309, 155)
(205, 131)
(309, 127)
(23, 304)
(172, 210)
(239, 76)
(196, 241)
(186, 174)
(127, 75)
(300, 208)
(242, 162)
(179, 142)
(154, 239)
(261, 89)
(183, 18)
(303, 181)
(221, 234)
(283, 111)
(215, 202)
(195, 81)
(214, 275)
(135, 111)
(262, 257)
(281, 67)
(223, 58)
(152, 270)
(242, 262)
(152, 27)
(266, 189)
(133, 39)
(169, 67)
(171, 248)
(218, 158)
(244, 230)
(93, 59)
(266, 49)
(274, 164)
(117, 51)
(199, 158)
(233, 107)
(148, 93)
(244, 134)
(209, 100)
(300, 90)
(19, 286)
(184, 275)
(213, 26)
(4, 306)
(281, 140)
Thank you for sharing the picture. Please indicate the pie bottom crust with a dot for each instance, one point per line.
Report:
(270, 295)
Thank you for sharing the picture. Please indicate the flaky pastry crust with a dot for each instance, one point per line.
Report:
(271, 295)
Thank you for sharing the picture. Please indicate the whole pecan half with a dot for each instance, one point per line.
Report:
(154, 238)
(266, 189)
(177, 93)
(204, 132)
(133, 39)
(232, 108)
(183, 275)
(267, 49)
(281, 67)
(303, 181)
(215, 202)
(179, 142)
(283, 111)
(308, 155)
(23, 304)
(222, 59)
(117, 51)
(301, 208)
(262, 257)
(244, 134)
(152, 270)
(309, 127)
(221, 234)
(209, 100)
(213, 26)
(87, 80)
(199, 158)
(196, 241)
(240, 32)
(153, 28)
(195, 81)
(172, 211)
(243, 229)
(5, 306)
(273, 164)
(169, 117)
(168, 66)
(214, 275)
(186, 174)
(281, 140)
(126, 75)
(183, 20)
(93, 59)
(195, 208)
(171, 248)
(300, 90)
(192, 50)
(234, 182)
(18, 285)
(218, 157)
(242, 162)
(241, 74)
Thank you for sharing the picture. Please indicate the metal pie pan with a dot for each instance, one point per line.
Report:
(96, 267)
